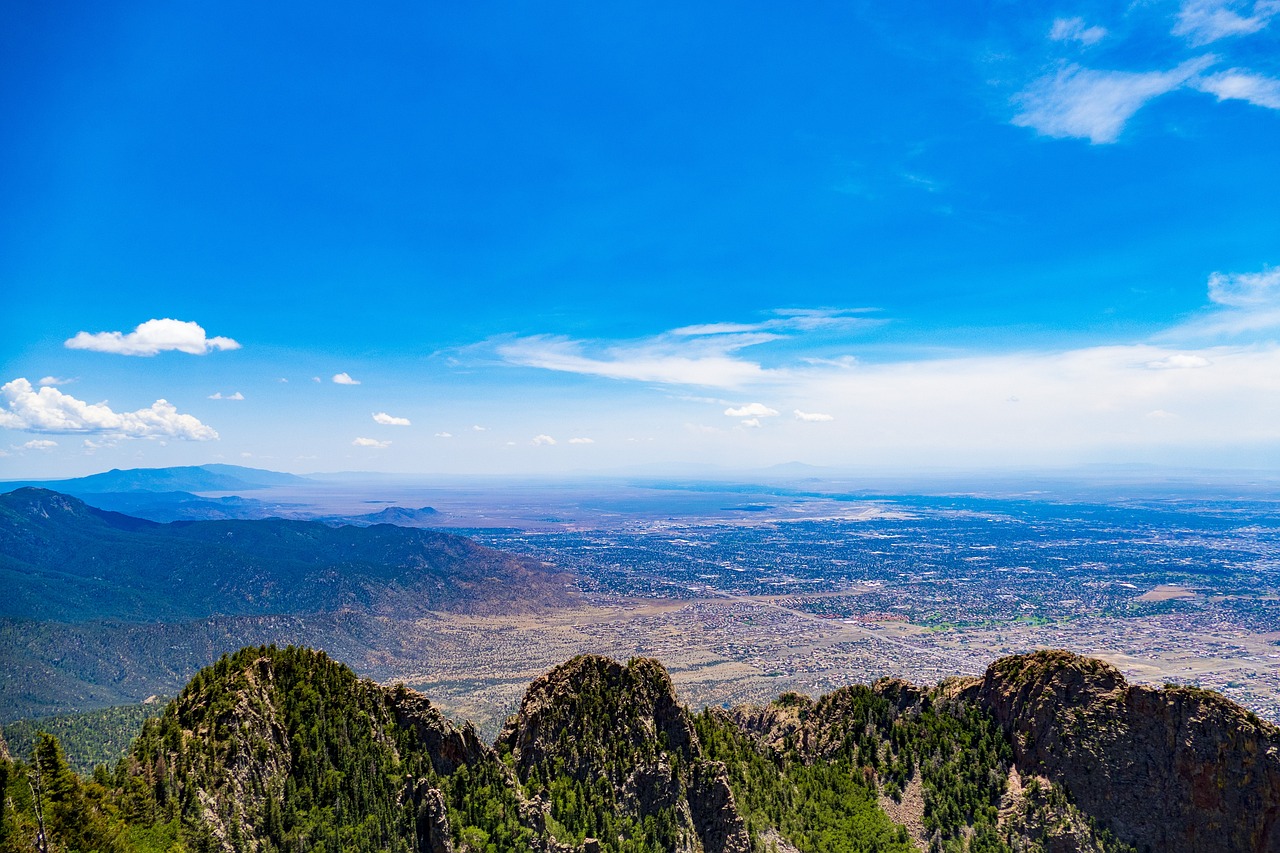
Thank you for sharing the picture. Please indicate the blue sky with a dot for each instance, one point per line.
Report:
(735, 234)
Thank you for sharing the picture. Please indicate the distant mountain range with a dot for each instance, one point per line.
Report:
(95, 599)
(195, 478)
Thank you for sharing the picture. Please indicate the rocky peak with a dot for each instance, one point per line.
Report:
(1174, 769)
(596, 721)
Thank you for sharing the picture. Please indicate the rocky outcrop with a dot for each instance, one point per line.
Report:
(448, 746)
(1174, 769)
(594, 719)
(432, 824)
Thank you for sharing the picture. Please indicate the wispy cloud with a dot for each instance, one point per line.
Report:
(542, 441)
(151, 338)
(1179, 361)
(1241, 303)
(371, 442)
(444, 435)
(1241, 85)
(659, 361)
(707, 354)
(54, 380)
(50, 410)
(1095, 105)
(1204, 21)
(39, 444)
(344, 379)
(582, 441)
(390, 420)
(812, 417)
(1075, 29)
(218, 395)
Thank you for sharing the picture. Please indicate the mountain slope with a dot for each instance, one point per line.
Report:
(63, 560)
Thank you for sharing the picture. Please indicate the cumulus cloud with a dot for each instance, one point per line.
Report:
(390, 420)
(40, 444)
(478, 428)
(1075, 29)
(49, 410)
(542, 440)
(152, 337)
(1205, 21)
(54, 380)
(1095, 105)
(344, 379)
(812, 416)
(371, 442)
(751, 410)
(217, 395)
(582, 441)
(1240, 85)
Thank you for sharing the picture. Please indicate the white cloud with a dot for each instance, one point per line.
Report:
(582, 441)
(371, 442)
(653, 361)
(1241, 303)
(1181, 361)
(542, 440)
(54, 380)
(444, 435)
(316, 379)
(217, 395)
(390, 420)
(812, 416)
(50, 410)
(40, 444)
(1084, 103)
(1240, 85)
(1075, 29)
(284, 380)
(344, 379)
(706, 354)
(478, 428)
(754, 423)
(152, 337)
(751, 410)
(1205, 21)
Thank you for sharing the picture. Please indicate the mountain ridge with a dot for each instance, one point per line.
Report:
(284, 748)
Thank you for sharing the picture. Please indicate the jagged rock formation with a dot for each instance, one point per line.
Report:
(594, 719)
(282, 749)
(1172, 769)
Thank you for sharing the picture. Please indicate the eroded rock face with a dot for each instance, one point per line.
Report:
(598, 719)
(449, 746)
(1173, 769)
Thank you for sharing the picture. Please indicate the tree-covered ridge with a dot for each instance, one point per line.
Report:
(62, 560)
(90, 738)
(286, 750)
(615, 758)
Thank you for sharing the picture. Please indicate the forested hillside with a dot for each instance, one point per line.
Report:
(285, 749)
